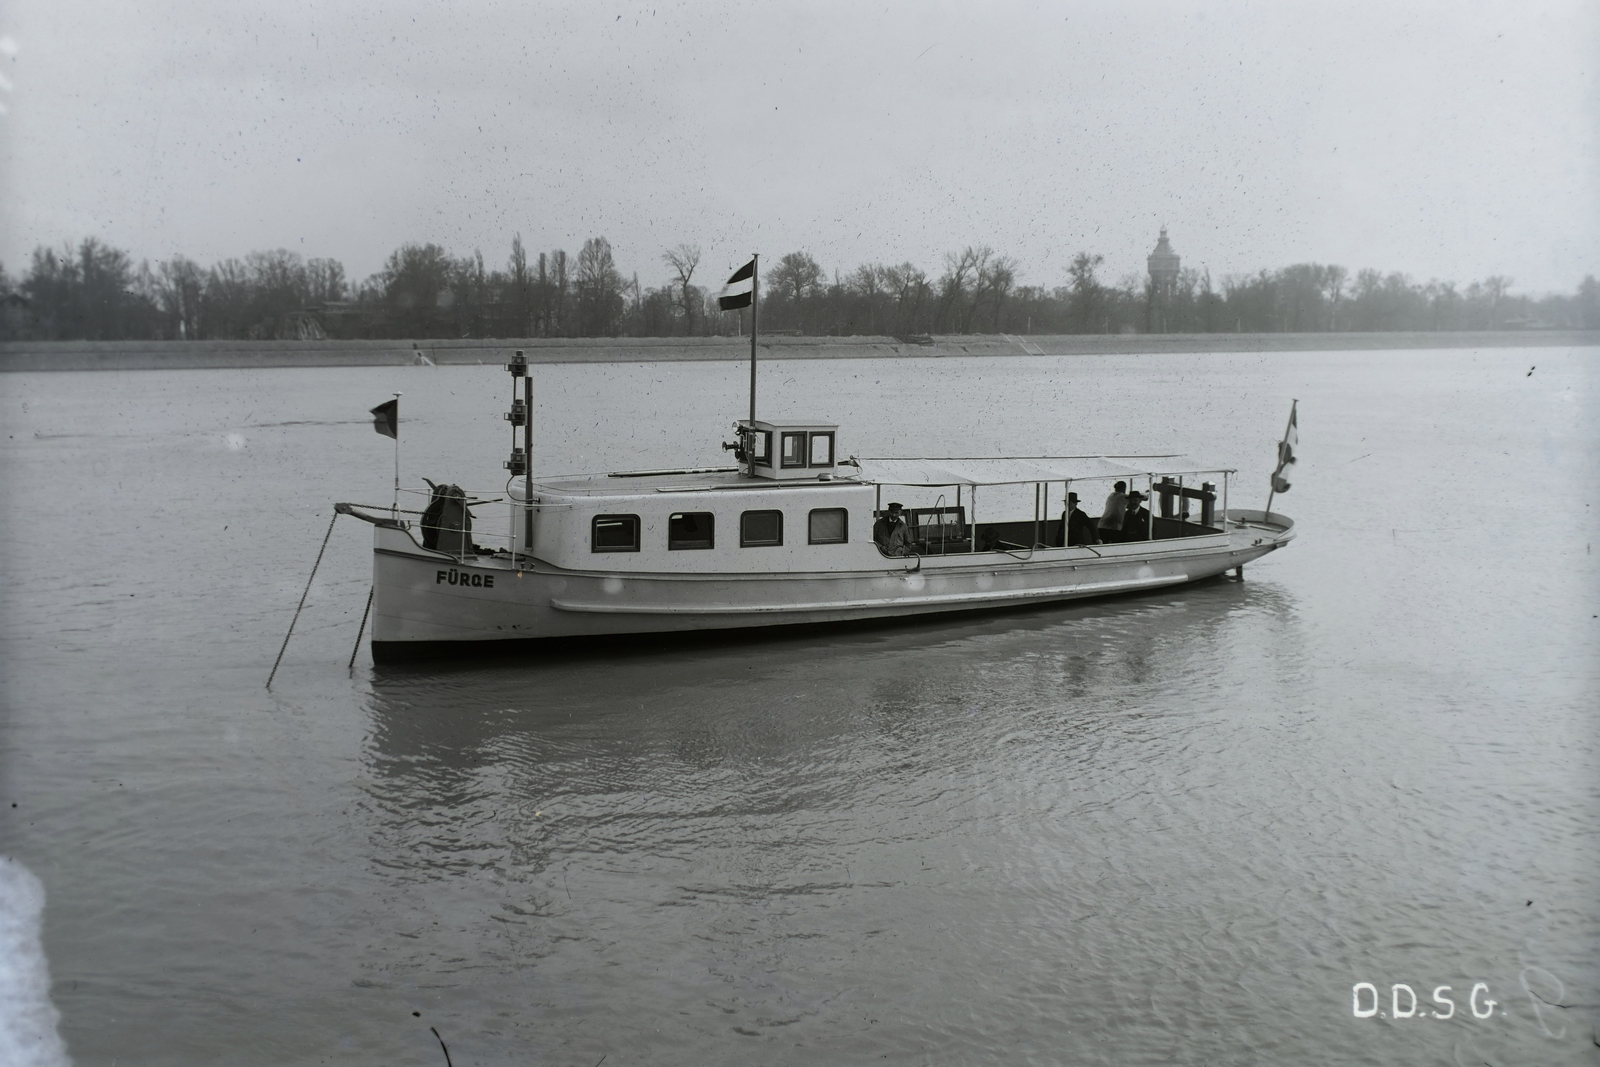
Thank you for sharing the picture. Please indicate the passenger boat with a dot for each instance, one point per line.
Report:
(784, 537)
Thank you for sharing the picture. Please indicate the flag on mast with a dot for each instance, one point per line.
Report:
(1286, 447)
(386, 418)
(736, 294)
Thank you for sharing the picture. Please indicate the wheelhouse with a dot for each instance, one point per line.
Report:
(788, 451)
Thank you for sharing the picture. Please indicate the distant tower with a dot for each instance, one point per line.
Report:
(1163, 263)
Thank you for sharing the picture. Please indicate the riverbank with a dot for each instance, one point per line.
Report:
(190, 355)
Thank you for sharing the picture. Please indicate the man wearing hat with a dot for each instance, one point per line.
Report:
(890, 532)
(1078, 526)
(1136, 525)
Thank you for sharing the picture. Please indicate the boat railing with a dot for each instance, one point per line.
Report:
(1190, 503)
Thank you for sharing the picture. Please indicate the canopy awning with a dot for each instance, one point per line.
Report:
(960, 470)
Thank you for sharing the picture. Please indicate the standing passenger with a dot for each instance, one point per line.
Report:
(1115, 510)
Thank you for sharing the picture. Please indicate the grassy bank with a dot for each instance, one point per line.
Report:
(183, 355)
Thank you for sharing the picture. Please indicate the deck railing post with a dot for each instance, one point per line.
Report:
(1036, 514)
(1066, 510)
(1150, 516)
(973, 545)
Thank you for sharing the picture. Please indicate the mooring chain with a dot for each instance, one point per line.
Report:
(362, 629)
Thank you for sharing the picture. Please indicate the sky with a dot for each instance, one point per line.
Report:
(1443, 140)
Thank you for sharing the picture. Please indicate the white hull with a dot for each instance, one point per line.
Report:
(428, 602)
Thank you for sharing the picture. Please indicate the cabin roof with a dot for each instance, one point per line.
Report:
(971, 470)
(694, 480)
(923, 471)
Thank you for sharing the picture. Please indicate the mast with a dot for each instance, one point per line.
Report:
(521, 462)
(755, 296)
(527, 478)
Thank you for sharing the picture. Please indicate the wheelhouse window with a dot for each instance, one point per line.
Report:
(822, 450)
(794, 450)
(690, 529)
(759, 528)
(614, 533)
(761, 448)
(829, 526)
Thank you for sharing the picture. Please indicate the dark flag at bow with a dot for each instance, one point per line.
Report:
(736, 294)
(1286, 447)
(386, 418)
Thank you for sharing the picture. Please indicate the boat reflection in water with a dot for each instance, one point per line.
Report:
(793, 836)
(641, 742)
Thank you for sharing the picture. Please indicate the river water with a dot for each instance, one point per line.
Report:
(1172, 828)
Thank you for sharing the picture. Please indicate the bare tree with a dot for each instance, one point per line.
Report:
(683, 259)
(180, 284)
(867, 283)
(415, 284)
(1086, 290)
(1336, 278)
(325, 280)
(520, 284)
(1588, 303)
(960, 272)
(558, 289)
(1495, 287)
(910, 288)
(797, 276)
(793, 286)
(996, 277)
(600, 289)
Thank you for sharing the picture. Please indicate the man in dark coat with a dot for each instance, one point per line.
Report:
(1136, 526)
(1078, 526)
(447, 524)
(891, 534)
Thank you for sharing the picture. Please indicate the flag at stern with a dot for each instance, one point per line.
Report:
(386, 418)
(1286, 447)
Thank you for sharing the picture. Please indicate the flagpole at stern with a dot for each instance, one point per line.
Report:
(1293, 404)
(394, 508)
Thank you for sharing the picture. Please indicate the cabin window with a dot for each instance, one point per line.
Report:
(761, 448)
(829, 526)
(689, 529)
(757, 528)
(614, 533)
(822, 450)
(794, 450)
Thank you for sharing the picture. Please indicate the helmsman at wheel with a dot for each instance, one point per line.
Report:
(890, 532)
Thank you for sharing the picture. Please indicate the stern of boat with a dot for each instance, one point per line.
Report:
(1252, 533)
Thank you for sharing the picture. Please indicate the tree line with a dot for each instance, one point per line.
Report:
(93, 291)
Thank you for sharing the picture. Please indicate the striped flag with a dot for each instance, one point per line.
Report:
(736, 294)
(1286, 447)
